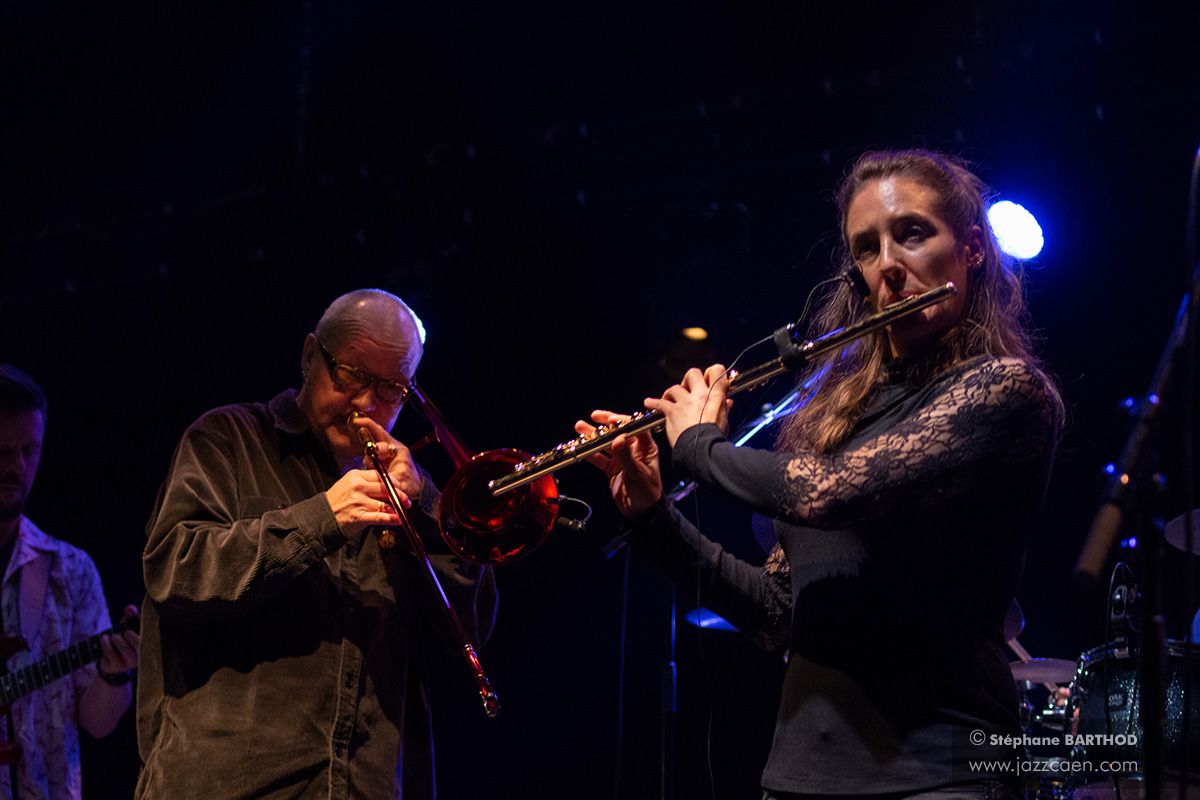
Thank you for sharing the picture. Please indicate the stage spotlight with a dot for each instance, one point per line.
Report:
(1016, 230)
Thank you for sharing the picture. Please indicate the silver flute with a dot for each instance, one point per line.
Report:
(792, 357)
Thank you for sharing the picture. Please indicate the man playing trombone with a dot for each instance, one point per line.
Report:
(282, 621)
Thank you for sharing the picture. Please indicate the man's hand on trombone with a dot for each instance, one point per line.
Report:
(359, 499)
(395, 456)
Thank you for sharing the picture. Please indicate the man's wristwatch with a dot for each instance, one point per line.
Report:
(119, 679)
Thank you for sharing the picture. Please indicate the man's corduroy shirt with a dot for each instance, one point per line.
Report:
(280, 659)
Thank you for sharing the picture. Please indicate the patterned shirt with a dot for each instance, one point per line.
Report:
(72, 608)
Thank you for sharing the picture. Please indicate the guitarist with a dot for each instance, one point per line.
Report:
(51, 598)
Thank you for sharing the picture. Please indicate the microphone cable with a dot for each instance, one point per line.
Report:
(1189, 452)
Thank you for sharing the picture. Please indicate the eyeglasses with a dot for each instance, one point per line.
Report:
(354, 379)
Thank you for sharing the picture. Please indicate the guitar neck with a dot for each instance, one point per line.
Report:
(15, 685)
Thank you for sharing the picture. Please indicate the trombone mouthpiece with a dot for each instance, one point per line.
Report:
(364, 435)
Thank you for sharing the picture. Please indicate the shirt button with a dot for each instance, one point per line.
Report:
(349, 680)
(349, 551)
(339, 752)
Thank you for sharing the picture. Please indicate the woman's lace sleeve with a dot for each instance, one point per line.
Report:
(993, 420)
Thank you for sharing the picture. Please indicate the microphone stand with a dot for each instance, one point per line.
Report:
(1127, 472)
(670, 711)
(1130, 487)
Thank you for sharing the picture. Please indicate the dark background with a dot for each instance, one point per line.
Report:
(556, 188)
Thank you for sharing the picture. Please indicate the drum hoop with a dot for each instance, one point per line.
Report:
(1176, 648)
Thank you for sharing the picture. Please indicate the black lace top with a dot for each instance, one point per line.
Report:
(898, 556)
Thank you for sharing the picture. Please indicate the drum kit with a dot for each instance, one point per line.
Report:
(1090, 709)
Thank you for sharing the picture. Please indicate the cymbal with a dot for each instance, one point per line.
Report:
(1175, 532)
(1014, 621)
(1043, 670)
(708, 620)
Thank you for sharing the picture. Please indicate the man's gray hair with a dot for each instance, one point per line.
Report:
(374, 314)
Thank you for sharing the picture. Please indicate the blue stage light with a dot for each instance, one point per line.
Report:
(1016, 230)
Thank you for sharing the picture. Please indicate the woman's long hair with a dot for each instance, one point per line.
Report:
(993, 323)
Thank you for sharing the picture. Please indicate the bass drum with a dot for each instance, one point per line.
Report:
(1105, 704)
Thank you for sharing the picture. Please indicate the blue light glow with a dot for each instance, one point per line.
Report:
(785, 406)
(1018, 233)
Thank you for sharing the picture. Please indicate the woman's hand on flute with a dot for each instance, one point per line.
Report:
(700, 397)
(631, 464)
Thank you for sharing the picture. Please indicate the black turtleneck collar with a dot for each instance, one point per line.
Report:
(909, 369)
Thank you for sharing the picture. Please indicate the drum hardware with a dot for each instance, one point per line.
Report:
(1028, 671)
(1124, 604)
(1054, 716)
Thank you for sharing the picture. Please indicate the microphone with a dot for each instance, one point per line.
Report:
(853, 275)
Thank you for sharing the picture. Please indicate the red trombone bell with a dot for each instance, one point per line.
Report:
(475, 524)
